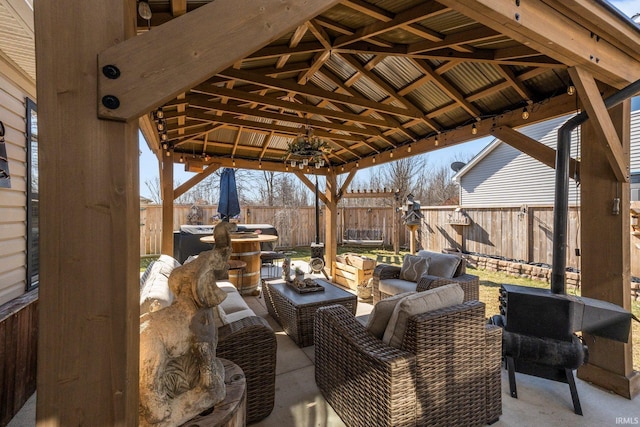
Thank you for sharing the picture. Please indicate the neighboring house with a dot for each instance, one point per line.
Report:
(501, 175)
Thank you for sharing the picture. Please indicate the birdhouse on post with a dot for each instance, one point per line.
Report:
(412, 219)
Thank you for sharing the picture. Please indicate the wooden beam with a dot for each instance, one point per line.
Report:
(473, 35)
(556, 35)
(331, 220)
(147, 78)
(194, 180)
(597, 112)
(533, 148)
(178, 7)
(417, 13)
(555, 107)
(310, 109)
(605, 266)
(89, 306)
(345, 184)
(288, 86)
(311, 186)
(244, 111)
(166, 184)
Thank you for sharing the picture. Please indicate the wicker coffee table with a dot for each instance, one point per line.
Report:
(295, 312)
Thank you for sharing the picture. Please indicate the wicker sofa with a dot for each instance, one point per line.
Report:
(244, 338)
(445, 373)
(387, 282)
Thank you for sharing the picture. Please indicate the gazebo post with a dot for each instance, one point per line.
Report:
(89, 223)
(331, 221)
(605, 265)
(167, 205)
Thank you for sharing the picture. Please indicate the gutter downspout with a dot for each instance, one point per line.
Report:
(561, 202)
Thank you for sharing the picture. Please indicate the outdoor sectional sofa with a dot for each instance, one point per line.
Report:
(244, 338)
(442, 270)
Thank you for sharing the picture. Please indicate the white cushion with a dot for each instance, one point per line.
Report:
(238, 315)
(381, 313)
(228, 287)
(396, 286)
(441, 265)
(233, 303)
(219, 316)
(418, 303)
(154, 291)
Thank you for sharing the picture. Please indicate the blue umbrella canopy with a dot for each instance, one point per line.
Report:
(229, 205)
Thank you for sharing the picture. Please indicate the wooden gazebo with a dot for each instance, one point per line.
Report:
(237, 80)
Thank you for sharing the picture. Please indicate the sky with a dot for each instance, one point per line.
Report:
(149, 163)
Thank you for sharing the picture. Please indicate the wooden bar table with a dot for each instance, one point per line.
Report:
(246, 247)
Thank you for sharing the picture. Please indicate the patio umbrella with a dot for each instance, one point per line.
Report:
(228, 206)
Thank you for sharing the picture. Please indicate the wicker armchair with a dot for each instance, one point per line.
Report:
(447, 371)
(251, 344)
(469, 283)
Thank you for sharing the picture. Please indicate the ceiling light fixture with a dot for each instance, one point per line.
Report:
(308, 149)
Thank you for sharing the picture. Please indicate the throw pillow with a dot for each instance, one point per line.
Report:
(418, 303)
(413, 267)
(442, 265)
(381, 313)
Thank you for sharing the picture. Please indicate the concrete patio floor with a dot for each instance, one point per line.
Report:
(540, 402)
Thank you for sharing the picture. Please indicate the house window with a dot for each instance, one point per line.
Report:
(33, 213)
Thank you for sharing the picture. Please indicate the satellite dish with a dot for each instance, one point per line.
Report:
(456, 166)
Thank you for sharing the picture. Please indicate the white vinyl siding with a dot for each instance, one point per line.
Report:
(507, 177)
(13, 216)
(635, 141)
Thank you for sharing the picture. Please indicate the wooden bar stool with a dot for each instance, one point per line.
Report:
(239, 267)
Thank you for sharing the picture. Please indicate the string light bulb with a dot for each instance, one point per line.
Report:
(165, 146)
(525, 113)
(181, 159)
(144, 10)
(391, 154)
(474, 129)
(409, 148)
(571, 89)
(436, 141)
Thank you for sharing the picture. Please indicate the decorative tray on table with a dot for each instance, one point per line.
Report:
(305, 286)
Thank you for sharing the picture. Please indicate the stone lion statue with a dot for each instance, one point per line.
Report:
(180, 376)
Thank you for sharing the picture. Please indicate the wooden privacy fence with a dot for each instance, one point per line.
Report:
(296, 226)
(520, 233)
